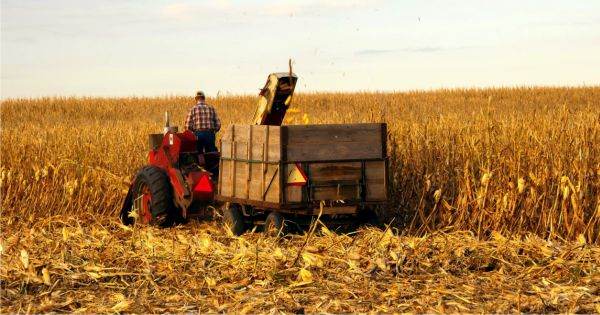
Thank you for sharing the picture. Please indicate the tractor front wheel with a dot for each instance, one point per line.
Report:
(234, 219)
(153, 198)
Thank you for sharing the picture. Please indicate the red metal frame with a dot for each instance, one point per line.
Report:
(145, 213)
(166, 157)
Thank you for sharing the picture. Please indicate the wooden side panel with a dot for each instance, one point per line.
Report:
(243, 173)
(334, 142)
(376, 181)
(250, 177)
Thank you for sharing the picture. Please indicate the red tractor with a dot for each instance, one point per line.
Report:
(179, 181)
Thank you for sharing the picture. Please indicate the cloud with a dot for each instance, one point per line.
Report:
(184, 11)
(367, 52)
(424, 49)
(319, 7)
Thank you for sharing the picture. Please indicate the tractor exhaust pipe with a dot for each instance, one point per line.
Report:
(168, 127)
(167, 123)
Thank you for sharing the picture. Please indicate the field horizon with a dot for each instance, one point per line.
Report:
(226, 94)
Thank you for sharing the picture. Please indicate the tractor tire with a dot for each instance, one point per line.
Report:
(275, 225)
(154, 193)
(233, 218)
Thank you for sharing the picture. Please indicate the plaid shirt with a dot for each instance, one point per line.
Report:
(202, 117)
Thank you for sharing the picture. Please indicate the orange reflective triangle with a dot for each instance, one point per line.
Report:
(296, 176)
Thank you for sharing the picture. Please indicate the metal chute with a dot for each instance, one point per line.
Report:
(275, 98)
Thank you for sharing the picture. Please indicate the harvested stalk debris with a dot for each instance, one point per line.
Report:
(62, 264)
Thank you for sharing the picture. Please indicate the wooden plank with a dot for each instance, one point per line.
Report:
(333, 151)
(336, 193)
(257, 146)
(241, 150)
(333, 142)
(375, 170)
(262, 135)
(240, 180)
(226, 149)
(333, 133)
(241, 133)
(274, 152)
(220, 179)
(248, 156)
(262, 204)
(256, 154)
(258, 142)
(335, 171)
(232, 154)
(274, 144)
(284, 168)
(376, 192)
(265, 156)
(376, 181)
(225, 181)
(272, 192)
(256, 190)
(227, 133)
(337, 210)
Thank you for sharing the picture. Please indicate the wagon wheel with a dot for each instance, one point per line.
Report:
(233, 218)
(274, 224)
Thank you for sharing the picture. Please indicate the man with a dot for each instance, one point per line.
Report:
(204, 123)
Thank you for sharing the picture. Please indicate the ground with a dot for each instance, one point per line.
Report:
(64, 264)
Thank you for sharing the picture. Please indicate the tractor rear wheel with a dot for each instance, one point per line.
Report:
(153, 198)
(234, 218)
(274, 224)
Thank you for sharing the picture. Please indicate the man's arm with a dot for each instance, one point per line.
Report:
(189, 120)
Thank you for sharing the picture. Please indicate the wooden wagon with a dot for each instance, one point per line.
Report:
(282, 174)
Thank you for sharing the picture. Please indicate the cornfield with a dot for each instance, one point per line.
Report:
(495, 206)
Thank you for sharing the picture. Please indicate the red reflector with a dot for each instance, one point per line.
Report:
(204, 185)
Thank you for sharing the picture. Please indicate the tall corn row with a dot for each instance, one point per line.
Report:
(507, 160)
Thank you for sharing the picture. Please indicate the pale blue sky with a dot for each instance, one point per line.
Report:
(123, 48)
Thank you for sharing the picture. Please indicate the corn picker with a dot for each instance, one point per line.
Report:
(271, 175)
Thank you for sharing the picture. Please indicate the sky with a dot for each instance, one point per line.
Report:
(157, 48)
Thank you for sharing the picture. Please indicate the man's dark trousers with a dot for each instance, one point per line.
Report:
(205, 141)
